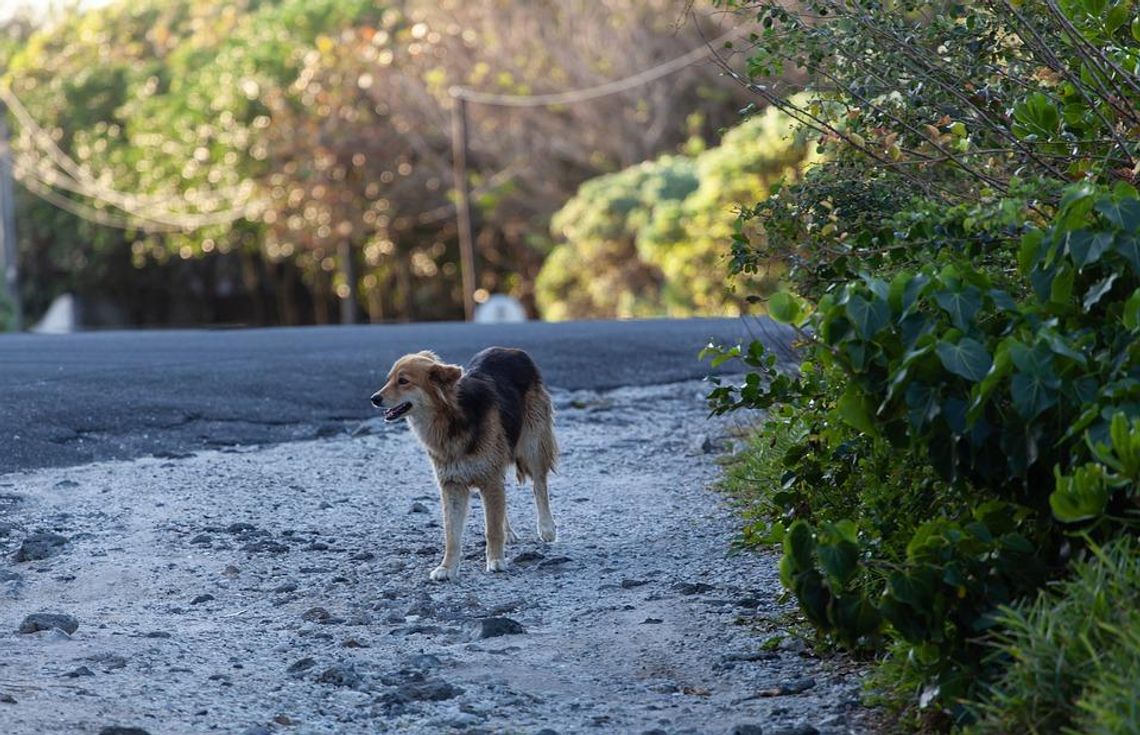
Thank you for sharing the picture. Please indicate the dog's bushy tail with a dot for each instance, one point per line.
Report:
(537, 450)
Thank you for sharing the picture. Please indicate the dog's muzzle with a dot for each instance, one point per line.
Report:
(396, 413)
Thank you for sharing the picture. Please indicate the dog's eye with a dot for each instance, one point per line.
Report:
(401, 380)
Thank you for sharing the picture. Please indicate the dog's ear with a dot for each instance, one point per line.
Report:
(429, 355)
(445, 374)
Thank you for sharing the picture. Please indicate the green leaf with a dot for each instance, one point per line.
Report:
(1097, 291)
(868, 316)
(854, 408)
(1086, 248)
(1124, 213)
(961, 305)
(839, 560)
(1080, 497)
(1033, 393)
(788, 308)
(799, 545)
(1131, 314)
(1128, 245)
(968, 358)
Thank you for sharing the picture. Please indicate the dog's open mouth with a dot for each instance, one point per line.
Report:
(397, 412)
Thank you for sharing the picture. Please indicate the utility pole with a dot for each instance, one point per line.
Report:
(9, 257)
(459, 150)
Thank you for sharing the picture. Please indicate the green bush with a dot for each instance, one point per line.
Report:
(1071, 656)
(964, 272)
(651, 239)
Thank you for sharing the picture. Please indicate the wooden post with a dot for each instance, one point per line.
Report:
(344, 255)
(459, 151)
(9, 252)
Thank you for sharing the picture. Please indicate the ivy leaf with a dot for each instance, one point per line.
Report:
(788, 308)
(1097, 291)
(1085, 248)
(968, 359)
(854, 408)
(961, 305)
(1124, 213)
(1033, 393)
(868, 316)
(1128, 245)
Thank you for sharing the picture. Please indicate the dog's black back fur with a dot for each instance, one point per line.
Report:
(498, 377)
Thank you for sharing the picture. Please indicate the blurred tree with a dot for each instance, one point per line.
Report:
(653, 239)
(270, 140)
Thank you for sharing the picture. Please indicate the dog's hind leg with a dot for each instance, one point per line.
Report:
(495, 523)
(546, 529)
(454, 498)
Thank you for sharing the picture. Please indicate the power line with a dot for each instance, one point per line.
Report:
(69, 175)
(601, 90)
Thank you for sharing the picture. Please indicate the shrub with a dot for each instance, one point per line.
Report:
(1071, 655)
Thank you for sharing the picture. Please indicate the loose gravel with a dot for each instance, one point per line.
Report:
(285, 590)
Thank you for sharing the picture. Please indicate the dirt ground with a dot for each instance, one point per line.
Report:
(285, 590)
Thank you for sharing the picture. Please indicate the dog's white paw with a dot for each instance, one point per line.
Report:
(549, 534)
(496, 565)
(443, 574)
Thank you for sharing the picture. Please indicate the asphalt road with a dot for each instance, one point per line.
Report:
(68, 400)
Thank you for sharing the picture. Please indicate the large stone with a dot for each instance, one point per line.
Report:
(47, 621)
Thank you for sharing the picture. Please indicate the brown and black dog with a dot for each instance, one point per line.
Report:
(475, 422)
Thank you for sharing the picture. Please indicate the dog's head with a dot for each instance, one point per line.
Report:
(416, 383)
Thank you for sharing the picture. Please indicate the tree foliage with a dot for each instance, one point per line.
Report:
(652, 239)
(324, 124)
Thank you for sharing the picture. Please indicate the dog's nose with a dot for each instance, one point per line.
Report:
(377, 400)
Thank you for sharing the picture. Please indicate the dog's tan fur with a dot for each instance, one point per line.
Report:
(467, 456)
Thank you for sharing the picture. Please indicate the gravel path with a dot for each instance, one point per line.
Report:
(284, 590)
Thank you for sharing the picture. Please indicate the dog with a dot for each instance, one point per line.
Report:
(474, 423)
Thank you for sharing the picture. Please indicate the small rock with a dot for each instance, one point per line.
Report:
(353, 643)
(495, 627)
(47, 621)
(300, 665)
(157, 634)
(627, 584)
(791, 686)
(283, 588)
(363, 556)
(750, 602)
(81, 671)
(418, 507)
(7, 699)
(796, 730)
(747, 728)
(202, 538)
(202, 598)
(555, 561)
(67, 483)
(315, 614)
(40, 546)
(652, 621)
(424, 661)
(240, 528)
(317, 546)
(693, 588)
(120, 730)
(528, 556)
(547, 731)
(341, 675)
(429, 690)
(109, 662)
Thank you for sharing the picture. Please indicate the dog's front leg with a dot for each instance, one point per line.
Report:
(495, 523)
(454, 499)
